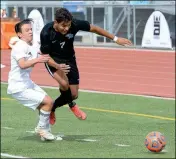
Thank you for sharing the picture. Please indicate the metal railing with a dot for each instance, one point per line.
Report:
(123, 19)
(120, 19)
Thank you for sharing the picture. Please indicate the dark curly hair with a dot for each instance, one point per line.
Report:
(21, 23)
(62, 14)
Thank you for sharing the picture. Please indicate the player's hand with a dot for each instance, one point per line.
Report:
(65, 68)
(124, 42)
(43, 58)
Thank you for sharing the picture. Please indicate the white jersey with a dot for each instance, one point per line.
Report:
(19, 79)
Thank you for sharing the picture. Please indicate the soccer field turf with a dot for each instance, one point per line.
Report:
(116, 127)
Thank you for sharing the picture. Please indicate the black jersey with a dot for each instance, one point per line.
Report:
(60, 46)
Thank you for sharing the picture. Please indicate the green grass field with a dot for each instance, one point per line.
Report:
(115, 128)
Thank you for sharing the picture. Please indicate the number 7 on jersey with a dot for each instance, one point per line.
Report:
(62, 44)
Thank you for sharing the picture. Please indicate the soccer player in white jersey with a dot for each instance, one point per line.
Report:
(23, 57)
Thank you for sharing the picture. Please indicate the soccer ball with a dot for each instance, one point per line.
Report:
(155, 141)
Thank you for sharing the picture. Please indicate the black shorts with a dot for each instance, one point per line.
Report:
(73, 75)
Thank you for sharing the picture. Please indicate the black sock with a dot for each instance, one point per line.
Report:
(72, 104)
(58, 103)
(64, 98)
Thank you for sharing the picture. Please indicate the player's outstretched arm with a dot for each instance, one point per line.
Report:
(30, 63)
(118, 40)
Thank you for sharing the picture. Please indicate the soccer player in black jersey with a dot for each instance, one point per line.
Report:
(57, 40)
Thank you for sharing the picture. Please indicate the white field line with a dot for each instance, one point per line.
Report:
(7, 128)
(11, 156)
(103, 92)
(122, 145)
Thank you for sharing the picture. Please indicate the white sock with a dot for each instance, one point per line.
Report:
(43, 119)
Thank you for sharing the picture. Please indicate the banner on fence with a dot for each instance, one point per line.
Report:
(37, 26)
(156, 32)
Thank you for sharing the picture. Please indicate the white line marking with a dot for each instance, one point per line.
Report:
(60, 135)
(11, 156)
(2, 66)
(104, 92)
(7, 128)
(88, 140)
(122, 145)
(32, 132)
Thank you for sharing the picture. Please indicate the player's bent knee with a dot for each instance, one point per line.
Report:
(65, 85)
(48, 102)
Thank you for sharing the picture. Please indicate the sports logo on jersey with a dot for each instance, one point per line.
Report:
(29, 56)
(29, 53)
(54, 41)
(69, 36)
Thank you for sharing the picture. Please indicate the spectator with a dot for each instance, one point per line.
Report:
(3, 13)
(14, 13)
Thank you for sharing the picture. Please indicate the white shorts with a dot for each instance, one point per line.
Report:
(31, 97)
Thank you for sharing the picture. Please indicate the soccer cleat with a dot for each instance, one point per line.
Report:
(78, 113)
(52, 118)
(44, 134)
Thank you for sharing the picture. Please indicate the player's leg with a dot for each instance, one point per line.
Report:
(73, 106)
(43, 126)
(37, 88)
(41, 106)
(74, 90)
(34, 99)
(65, 96)
(73, 77)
